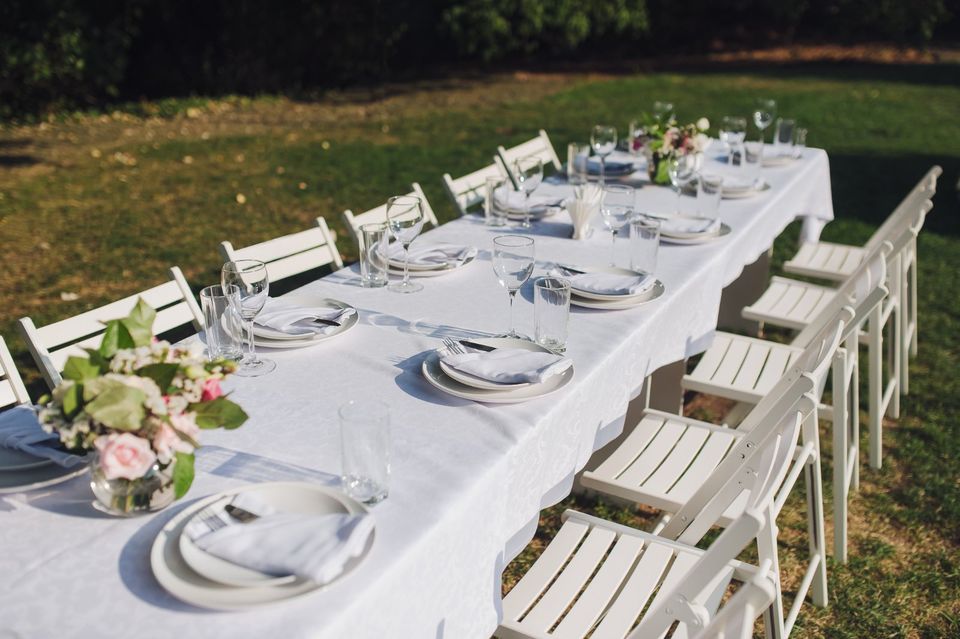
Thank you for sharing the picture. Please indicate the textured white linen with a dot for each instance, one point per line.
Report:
(426, 254)
(468, 479)
(20, 430)
(293, 319)
(609, 283)
(509, 365)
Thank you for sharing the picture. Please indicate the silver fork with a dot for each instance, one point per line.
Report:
(454, 346)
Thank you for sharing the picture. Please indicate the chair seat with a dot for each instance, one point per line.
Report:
(825, 260)
(664, 461)
(598, 577)
(740, 368)
(789, 303)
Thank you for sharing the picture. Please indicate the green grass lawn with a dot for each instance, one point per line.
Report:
(93, 208)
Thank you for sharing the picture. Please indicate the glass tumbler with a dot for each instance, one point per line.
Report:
(644, 244)
(373, 255)
(799, 142)
(365, 450)
(709, 191)
(223, 328)
(783, 136)
(752, 160)
(577, 157)
(492, 214)
(551, 312)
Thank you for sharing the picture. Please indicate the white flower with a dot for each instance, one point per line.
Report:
(703, 124)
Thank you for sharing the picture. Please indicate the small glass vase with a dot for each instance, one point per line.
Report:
(127, 497)
(656, 167)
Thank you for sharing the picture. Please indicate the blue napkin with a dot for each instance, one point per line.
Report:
(20, 430)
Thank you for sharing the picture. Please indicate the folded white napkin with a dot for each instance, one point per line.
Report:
(507, 198)
(20, 430)
(432, 254)
(509, 365)
(581, 212)
(736, 183)
(610, 283)
(689, 226)
(293, 319)
(314, 547)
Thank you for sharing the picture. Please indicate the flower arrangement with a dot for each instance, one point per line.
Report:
(140, 404)
(662, 141)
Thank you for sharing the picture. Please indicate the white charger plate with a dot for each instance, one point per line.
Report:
(12, 460)
(269, 338)
(615, 270)
(20, 472)
(396, 268)
(180, 580)
(739, 194)
(438, 379)
(651, 294)
(702, 238)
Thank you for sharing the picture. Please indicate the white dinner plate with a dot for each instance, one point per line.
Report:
(436, 377)
(536, 213)
(477, 382)
(778, 160)
(270, 338)
(12, 460)
(180, 580)
(26, 472)
(702, 238)
(651, 294)
(607, 296)
(397, 268)
(739, 194)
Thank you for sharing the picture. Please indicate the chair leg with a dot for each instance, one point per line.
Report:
(875, 384)
(816, 528)
(855, 409)
(840, 455)
(893, 327)
(913, 301)
(767, 549)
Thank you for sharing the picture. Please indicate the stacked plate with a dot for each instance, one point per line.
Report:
(737, 188)
(21, 471)
(201, 579)
(705, 230)
(429, 270)
(271, 338)
(464, 386)
(608, 301)
(778, 160)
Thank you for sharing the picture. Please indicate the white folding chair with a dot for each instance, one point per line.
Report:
(539, 146)
(353, 221)
(672, 463)
(467, 191)
(12, 390)
(52, 344)
(290, 254)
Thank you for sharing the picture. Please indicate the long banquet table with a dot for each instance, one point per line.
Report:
(468, 479)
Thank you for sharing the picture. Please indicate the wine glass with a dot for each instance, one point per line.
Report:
(405, 219)
(681, 170)
(663, 111)
(529, 172)
(251, 280)
(764, 111)
(513, 265)
(733, 131)
(603, 139)
(616, 208)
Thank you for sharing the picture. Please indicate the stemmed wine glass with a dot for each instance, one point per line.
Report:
(529, 172)
(764, 111)
(603, 139)
(251, 280)
(681, 170)
(513, 265)
(616, 208)
(405, 219)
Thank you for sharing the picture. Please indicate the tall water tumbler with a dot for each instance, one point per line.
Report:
(365, 450)
(223, 330)
(783, 137)
(373, 255)
(709, 192)
(551, 312)
(493, 215)
(752, 161)
(577, 157)
(644, 244)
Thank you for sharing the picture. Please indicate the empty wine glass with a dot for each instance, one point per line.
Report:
(764, 111)
(616, 208)
(513, 265)
(405, 219)
(663, 111)
(603, 139)
(529, 172)
(681, 170)
(733, 131)
(253, 285)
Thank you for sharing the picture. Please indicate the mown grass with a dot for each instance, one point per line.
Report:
(99, 206)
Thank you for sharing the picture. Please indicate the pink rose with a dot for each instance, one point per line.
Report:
(211, 389)
(186, 423)
(167, 443)
(124, 456)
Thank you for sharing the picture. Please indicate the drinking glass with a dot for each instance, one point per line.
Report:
(220, 321)
(529, 172)
(577, 157)
(513, 265)
(603, 139)
(492, 214)
(752, 160)
(551, 312)
(365, 450)
(733, 131)
(373, 255)
(783, 136)
(681, 170)
(253, 287)
(644, 244)
(616, 208)
(663, 111)
(709, 191)
(799, 143)
(764, 111)
(405, 218)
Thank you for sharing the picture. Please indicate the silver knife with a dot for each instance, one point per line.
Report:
(477, 346)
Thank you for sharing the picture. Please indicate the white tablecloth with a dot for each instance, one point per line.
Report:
(468, 479)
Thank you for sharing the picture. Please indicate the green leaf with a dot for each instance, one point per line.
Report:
(139, 323)
(73, 401)
(219, 413)
(114, 338)
(80, 368)
(118, 406)
(98, 360)
(162, 374)
(182, 474)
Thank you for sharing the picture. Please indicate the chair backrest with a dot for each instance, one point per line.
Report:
(468, 191)
(353, 221)
(539, 146)
(925, 189)
(12, 390)
(290, 254)
(52, 344)
(737, 617)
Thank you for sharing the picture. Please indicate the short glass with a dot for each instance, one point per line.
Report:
(783, 136)
(365, 450)
(551, 312)
(492, 214)
(799, 142)
(373, 255)
(752, 160)
(644, 244)
(222, 326)
(577, 157)
(709, 191)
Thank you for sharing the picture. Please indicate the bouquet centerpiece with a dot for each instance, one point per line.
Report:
(661, 141)
(139, 405)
